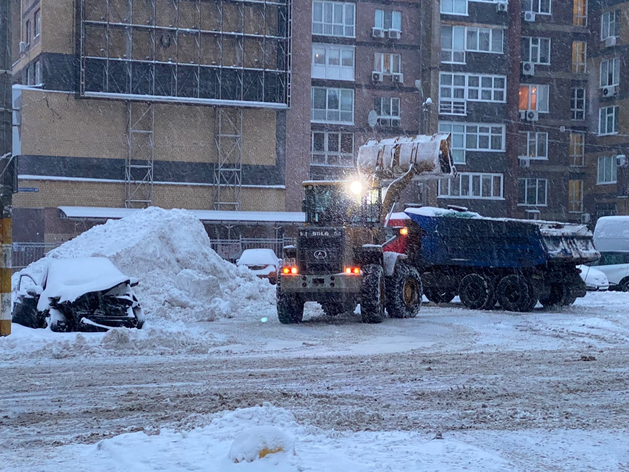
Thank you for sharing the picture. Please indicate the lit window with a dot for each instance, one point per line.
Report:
(610, 72)
(533, 145)
(473, 186)
(579, 54)
(334, 19)
(577, 103)
(577, 148)
(332, 149)
(579, 12)
(532, 192)
(608, 120)
(388, 110)
(575, 196)
(536, 50)
(534, 97)
(332, 62)
(607, 167)
(332, 105)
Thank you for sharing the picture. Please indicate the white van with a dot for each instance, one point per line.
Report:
(611, 239)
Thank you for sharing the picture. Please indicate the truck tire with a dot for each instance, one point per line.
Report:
(475, 291)
(560, 295)
(515, 293)
(436, 295)
(404, 292)
(290, 307)
(372, 294)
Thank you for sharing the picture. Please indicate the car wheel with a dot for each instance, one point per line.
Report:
(623, 286)
(57, 321)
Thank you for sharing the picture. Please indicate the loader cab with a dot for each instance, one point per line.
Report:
(341, 203)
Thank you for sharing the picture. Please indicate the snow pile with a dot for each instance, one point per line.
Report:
(259, 442)
(182, 280)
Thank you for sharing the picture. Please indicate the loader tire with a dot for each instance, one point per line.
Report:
(475, 291)
(372, 294)
(404, 292)
(515, 293)
(290, 307)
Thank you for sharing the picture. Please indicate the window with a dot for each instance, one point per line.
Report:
(609, 24)
(334, 19)
(610, 72)
(388, 110)
(484, 39)
(454, 7)
(27, 32)
(532, 192)
(608, 120)
(30, 75)
(332, 105)
(536, 6)
(332, 149)
(455, 40)
(579, 49)
(606, 170)
(456, 89)
(388, 20)
(533, 145)
(387, 63)
(579, 12)
(575, 196)
(37, 23)
(332, 62)
(453, 44)
(534, 97)
(577, 103)
(38, 75)
(472, 185)
(577, 148)
(536, 50)
(473, 137)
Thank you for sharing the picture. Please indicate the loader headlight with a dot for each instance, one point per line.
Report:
(356, 187)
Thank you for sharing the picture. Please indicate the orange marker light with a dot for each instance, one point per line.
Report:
(404, 231)
(293, 270)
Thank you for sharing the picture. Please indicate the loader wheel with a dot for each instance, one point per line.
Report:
(515, 293)
(290, 307)
(436, 295)
(372, 294)
(475, 292)
(404, 292)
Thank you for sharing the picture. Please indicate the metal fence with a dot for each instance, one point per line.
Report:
(25, 253)
(231, 249)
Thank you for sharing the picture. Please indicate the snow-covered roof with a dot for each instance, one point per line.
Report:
(108, 213)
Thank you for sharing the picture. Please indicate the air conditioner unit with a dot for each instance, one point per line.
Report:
(502, 6)
(610, 91)
(611, 41)
(585, 218)
(394, 34)
(529, 16)
(22, 47)
(523, 115)
(621, 160)
(377, 32)
(532, 115)
(524, 162)
(376, 76)
(397, 78)
(528, 68)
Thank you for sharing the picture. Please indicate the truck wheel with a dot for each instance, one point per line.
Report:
(474, 291)
(436, 295)
(404, 292)
(515, 293)
(372, 294)
(559, 295)
(290, 307)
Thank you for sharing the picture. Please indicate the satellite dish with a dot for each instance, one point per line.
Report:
(372, 118)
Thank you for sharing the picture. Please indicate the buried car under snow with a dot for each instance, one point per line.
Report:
(82, 294)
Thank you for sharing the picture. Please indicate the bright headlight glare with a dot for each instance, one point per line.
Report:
(356, 187)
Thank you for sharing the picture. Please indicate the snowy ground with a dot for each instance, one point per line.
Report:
(451, 390)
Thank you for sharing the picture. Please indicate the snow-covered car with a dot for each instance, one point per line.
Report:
(82, 294)
(595, 280)
(262, 262)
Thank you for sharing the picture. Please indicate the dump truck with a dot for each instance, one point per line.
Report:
(338, 259)
(485, 261)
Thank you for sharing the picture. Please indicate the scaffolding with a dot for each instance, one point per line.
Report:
(228, 169)
(223, 52)
(140, 153)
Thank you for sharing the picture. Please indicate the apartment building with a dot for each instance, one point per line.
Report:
(130, 103)
(607, 145)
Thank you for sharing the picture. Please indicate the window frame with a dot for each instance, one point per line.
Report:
(327, 154)
(545, 96)
(536, 7)
(615, 76)
(443, 11)
(579, 57)
(390, 118)
(612, 163)
(328, 90)
(575, 196)
(609, 24)
(538, 48)
(383, 22)
(530, 182)
(461, 131)
(345, 24)
(379, 62)
(27, 32)
(615, 111)
(470, 176)
(327, 68)
(536, 139)
(580, 12)
(577, 112)
(460, 103)
(576, 149)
